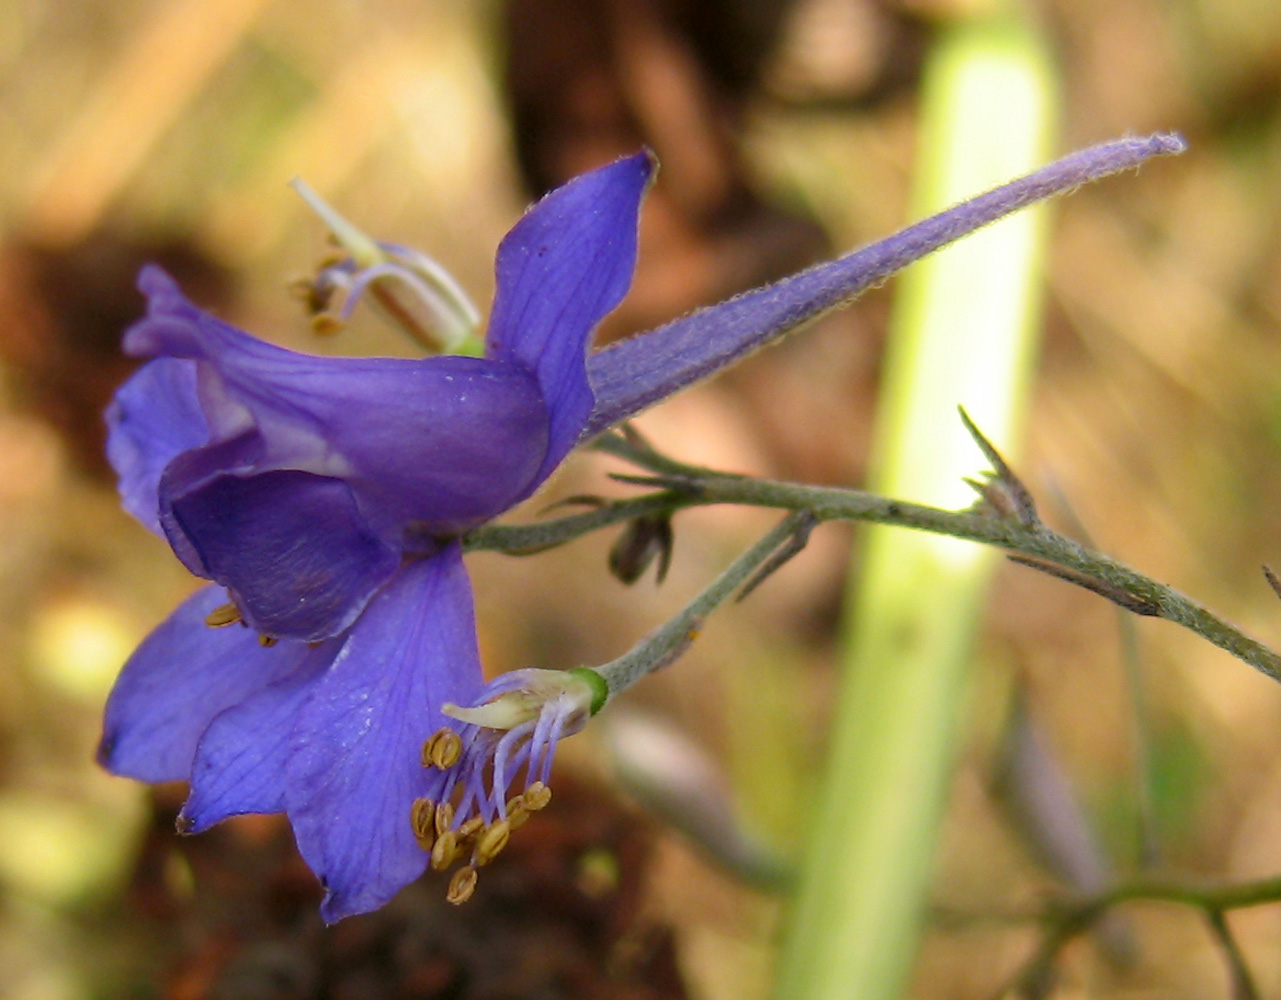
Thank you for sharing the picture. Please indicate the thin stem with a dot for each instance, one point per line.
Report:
(1207, 896)
(1067, 920)
(1243, 986)
(670, 640)
(1113, 579)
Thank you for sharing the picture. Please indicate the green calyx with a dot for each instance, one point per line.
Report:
(600, 690)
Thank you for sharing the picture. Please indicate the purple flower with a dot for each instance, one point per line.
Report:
(326, 496)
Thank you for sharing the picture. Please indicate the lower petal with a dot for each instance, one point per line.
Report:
(183, 675)
(240, 762)
(292, 548)
(355, 767)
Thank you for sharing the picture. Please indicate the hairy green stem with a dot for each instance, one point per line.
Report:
(1067, 919)
(696, 487)
(668, 641)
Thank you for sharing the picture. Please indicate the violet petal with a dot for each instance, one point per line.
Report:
(448, 441)
(291, 548)
(154, 417)
(560, 270)
(355, 767)
(241, 758)
(183, 675)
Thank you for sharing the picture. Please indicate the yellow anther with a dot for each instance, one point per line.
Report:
(224, 614)
(442, 749)
(445, 851)
(537, 796)
(492, 841)
(267, 641)
(325, 324)
(422, 816)
(332, 257)
(462, 885)
(472, 827)
(444, 817)
(517, 813)
(301, 288)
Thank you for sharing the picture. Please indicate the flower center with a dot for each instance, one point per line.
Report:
(470, 811)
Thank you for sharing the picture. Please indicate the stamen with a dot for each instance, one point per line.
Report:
(515, 727)
(517, 813)
(303, 289)
(442, 749)
(267, 641)
(223, 615)
(325, 324)
(444, 818)
(537, 796)
(334, 256)
(511, 741)
(492, 841)
(445, 851)
(422, 816)
(462, 885)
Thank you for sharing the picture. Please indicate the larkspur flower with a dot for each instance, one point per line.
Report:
(325, 498)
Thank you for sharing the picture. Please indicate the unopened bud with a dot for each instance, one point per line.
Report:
(642, 541)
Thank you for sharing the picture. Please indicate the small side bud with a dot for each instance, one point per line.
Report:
(642, 541)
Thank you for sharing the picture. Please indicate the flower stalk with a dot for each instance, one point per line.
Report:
(696, 487)
(670, 640)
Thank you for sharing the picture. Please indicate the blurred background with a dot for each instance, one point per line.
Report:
(167, 130)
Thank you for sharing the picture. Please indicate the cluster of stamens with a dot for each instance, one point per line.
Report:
(413, 291)
(317, 291)
(441, 830)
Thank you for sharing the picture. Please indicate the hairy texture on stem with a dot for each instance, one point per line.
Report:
(687, 486)
(631, 375)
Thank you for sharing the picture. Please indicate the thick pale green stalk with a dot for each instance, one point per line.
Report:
(963, 333)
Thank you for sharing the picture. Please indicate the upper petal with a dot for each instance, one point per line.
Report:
(355, 767)
(566, 264)
(448, 441)
(183, 675)
(154, 417)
